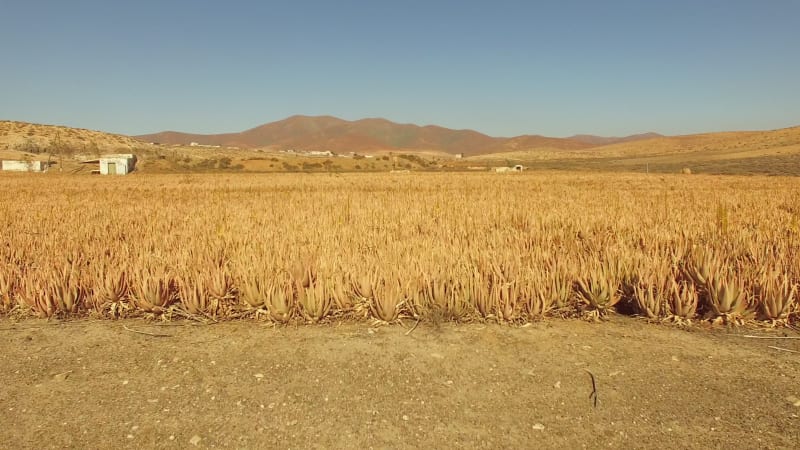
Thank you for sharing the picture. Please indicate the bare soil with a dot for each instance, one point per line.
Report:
(96, 384)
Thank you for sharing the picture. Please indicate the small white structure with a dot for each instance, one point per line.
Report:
(517, 168)
(459, 155)
(122, 164)
(25, 166)
(320, 153)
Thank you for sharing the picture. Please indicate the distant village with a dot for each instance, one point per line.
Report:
(125, 163)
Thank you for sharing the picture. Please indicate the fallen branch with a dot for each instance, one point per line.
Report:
(412, 328)
(750, 336)
(204, 318)
(783, 349)
(145, 332)
(593, 395)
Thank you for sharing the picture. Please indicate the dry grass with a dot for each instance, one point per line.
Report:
(308, 248)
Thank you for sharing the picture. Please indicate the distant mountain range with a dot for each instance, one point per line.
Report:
(600, 140)
(338, 135)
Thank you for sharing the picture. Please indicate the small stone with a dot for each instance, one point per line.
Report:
(61, 376)
(130, 436)
(259, 375)
(538, 427)
(557, 385)
(675, 358)
(292, 423)
(195, 440)
(437, 355)
(405, 417)
(124, 382)
(793, 400)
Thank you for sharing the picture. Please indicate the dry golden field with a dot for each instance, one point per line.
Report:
(389, 248)
(540, 251)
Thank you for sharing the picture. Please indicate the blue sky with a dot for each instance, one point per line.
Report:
(500, 67)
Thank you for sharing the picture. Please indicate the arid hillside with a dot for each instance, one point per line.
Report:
(390, 146)
(331, 133)
(602, 140)
(774, 152)
(749, 142)
(36, 138)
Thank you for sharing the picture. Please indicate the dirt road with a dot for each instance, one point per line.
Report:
(95, 384)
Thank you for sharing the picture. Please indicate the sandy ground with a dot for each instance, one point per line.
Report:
(94, 384)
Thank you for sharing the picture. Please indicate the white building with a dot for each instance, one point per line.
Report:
(517, 168)
(25, 166)
(122, 164)
(320, 153)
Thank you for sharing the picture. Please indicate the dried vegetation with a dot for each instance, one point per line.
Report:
(428, 247)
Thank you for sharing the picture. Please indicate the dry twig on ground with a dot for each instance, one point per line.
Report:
(147, 333)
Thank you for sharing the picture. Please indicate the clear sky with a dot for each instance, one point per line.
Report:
(500, 67)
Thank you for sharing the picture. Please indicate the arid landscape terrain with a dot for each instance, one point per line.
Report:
(90, 384)
(331, 133)
(418, 300)
(328, 144)
(400, 225)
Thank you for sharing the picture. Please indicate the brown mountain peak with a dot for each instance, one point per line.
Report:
(369, 134)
